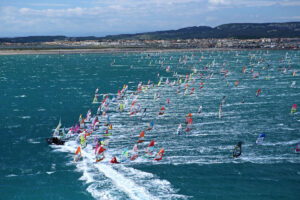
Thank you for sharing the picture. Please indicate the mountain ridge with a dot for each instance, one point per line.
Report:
(231, 30)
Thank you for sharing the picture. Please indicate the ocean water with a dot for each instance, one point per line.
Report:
(38, 90)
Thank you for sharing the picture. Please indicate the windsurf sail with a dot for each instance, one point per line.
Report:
(114, 160)
(168, 69)
(95, 99)
(258, 92)
(189, 125)
(82, 123)
(293, 110)
(293, 84)
(167, 81)
(83, 142)
(88, 115)
(188, 117)
(260, 138)
(220, 111)
(56, 131)
(192, 91)
(159, 155)
(141, 137)
(161, 111)
(124, 155)
(80, 118)
(99, 110)
(200, 109)
(237, 150)
(150, 149)
(134, 154)
(121, 108)
(201, 85)
(77, 155)
(298, 148)
(159, 82)
(100, 154)
(168, 102)
(107, 122)
(294, 73)
(179, 129)
(150, 126)
(108, 131)
(236, 83)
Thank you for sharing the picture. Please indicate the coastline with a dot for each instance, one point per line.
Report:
(115, 50)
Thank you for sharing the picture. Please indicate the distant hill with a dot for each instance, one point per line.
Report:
(234, 30)
(32, 39)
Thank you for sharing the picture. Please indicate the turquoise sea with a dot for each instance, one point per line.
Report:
(37, 90)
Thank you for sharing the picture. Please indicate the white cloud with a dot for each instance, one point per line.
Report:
(219, 2)
(128, 16)
(252, 3)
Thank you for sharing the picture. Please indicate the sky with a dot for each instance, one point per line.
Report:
(109, 17)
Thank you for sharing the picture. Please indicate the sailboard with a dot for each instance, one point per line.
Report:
(161, 111)
(258, 92)
(237, 150)
(179, 129)
(188, 117)
(200, 109)
(150, 126)
(260, 138)
(95, 99)
(159, 155)
(236, 83)
(201, 85)
(56, 131)
(83, 142)
(108, 131)
(149, 149)
(77, 155)
(124, 155)
(298, 148)
(134, 154)
(293, 110)
(189, 125)
(220, 111)
(114, 160)
(141, 137)
(100, 154)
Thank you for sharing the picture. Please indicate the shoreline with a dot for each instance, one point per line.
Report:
(118, 50)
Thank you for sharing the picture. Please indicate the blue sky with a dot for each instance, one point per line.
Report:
(103, 17)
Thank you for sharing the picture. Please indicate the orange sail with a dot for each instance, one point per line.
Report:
(77, 155)
(160, 154)
(141, 138)
(187, 118)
